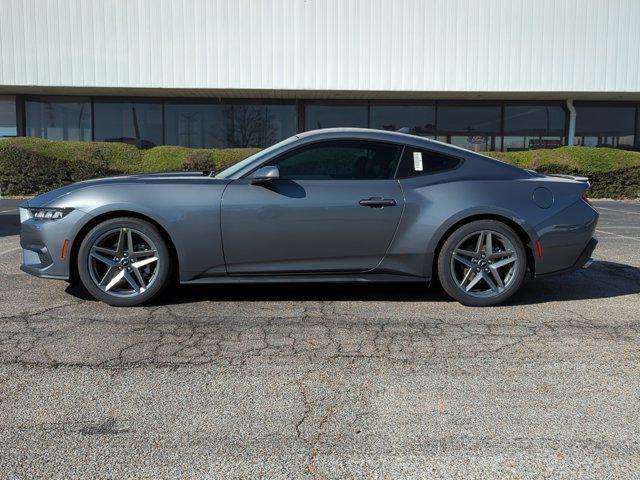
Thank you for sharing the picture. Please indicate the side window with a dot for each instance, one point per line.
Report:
(340, 160)
(417, 162)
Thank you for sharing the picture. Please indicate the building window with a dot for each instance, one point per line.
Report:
(605, 125)
(193, 125)
(228, 125)
(8, 124)
(58, 118)
(472, 126)
(327, 115)
(259, 125)
(409, 118)
(135, 123)
(532, 126)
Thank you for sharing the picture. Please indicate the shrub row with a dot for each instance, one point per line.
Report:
(32, 165)
(613, 173)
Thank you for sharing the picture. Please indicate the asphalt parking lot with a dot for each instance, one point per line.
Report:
(386, 381)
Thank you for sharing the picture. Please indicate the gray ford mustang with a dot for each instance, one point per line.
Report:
(335, 205)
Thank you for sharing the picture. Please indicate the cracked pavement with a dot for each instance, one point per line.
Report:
(326, 381)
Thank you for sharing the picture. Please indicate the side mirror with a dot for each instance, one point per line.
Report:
(265, 174)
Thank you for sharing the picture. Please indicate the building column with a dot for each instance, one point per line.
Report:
(572, 122)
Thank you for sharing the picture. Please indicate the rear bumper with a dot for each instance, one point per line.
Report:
(564, 238)
(584, 260)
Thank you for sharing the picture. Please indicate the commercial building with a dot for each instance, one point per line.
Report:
(483, 74)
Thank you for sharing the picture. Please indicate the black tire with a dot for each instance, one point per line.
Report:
(445, 262)
(161, 276)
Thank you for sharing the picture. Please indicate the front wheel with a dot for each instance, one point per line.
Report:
(482, 263)
(124, 262)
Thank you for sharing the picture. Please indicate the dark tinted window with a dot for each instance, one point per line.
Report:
(59, 118)
(228, 125)
(135, 123)
(8, 124)
(472, 126)
(259, 125)
(335, 115)
(528, 127)
(418, 119)
(605, 125)
(340, 160)
(417, 162)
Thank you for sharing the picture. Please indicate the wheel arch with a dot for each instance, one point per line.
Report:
(526, 237)
(84, 230)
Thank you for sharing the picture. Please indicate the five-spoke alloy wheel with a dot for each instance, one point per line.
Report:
(482, 263)
(124, 262)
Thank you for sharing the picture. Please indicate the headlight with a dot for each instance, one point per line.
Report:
(46, 213)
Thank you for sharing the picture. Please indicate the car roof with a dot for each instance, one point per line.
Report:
(384, 135)
(368, 133)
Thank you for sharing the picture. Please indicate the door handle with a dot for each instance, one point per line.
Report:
(377, 202)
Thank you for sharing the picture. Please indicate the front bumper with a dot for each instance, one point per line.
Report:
(42, 242)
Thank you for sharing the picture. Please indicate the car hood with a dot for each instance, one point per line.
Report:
(147, 178)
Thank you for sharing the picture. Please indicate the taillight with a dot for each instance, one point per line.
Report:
(585, 198)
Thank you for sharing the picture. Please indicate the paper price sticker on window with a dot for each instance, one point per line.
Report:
(417, 161)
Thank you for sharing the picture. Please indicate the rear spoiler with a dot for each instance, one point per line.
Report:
(569, 177)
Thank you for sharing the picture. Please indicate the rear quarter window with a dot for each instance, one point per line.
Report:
(416, 162)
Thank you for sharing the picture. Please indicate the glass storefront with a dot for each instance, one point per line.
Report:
(136, 123)
(605, 125)
(472, 126)
(8, 123)
(221, 123)
(414, 119)
(533, 126)
(328, 115)
(228, 125)
(58, 118)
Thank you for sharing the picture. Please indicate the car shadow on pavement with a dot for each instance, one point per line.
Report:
(602, 280)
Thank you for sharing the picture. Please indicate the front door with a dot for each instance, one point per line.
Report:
(335, 208)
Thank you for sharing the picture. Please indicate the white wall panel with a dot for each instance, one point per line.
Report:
(369, 45)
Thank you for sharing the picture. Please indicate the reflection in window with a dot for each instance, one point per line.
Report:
(228, 125)
(138, 124)
(602, 125)
(335, 115)
(193, 125)
(417, 119)
(58, 118)
(471, 126)
(528, 127)
(8, 125)
(259, 125)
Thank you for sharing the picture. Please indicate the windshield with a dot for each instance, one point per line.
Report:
(233, 169)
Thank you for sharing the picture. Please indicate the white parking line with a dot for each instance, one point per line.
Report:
(616, 210)
(622, 226)
(7, 211)
(617, 235)
(10, 250)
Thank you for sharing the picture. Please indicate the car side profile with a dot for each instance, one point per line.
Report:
(333, 205)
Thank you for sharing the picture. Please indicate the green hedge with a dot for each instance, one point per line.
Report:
(32, 165)
(613, 173)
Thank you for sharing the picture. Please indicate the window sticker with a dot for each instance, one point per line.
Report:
(417, 161)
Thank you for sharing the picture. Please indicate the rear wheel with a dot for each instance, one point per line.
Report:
(482, 263)
(124, 262)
